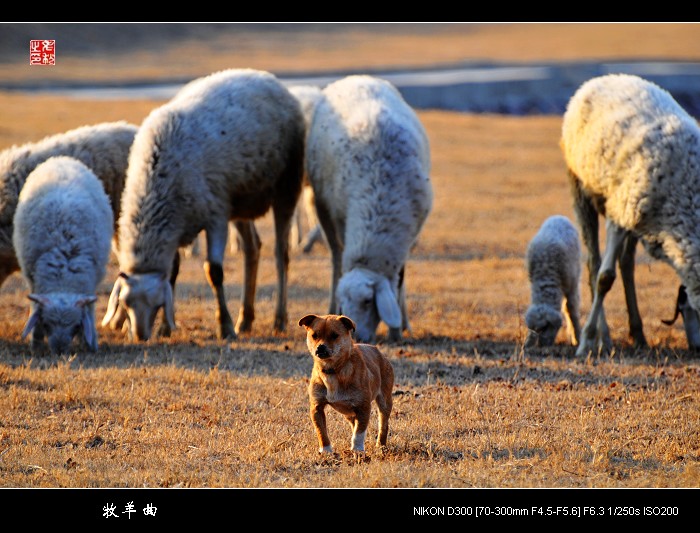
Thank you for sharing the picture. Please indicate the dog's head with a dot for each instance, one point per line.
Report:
(328, 337)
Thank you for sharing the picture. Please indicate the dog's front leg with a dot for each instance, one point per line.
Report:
(318, 417)
(359, 423)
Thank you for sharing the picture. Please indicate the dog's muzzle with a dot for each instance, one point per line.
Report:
(322, 351)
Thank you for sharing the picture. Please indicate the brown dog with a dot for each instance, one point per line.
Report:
(348, 377)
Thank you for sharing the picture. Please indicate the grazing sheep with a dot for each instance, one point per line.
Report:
(633, 156)
(368, 160)
(104, 148)
(62, 233)
(554, 271)
(227, 147)
(308, 96)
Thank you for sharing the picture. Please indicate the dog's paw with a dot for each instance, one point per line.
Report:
(360, 457)
(328, 459)
(382, 450)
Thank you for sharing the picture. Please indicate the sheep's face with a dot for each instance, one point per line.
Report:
(142, 295)
(543, 323)
(367, 298)
(62, 318)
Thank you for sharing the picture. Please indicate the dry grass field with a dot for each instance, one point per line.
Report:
(472, 409)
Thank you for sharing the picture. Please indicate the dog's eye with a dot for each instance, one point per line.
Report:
(334, 336)
(314, 336)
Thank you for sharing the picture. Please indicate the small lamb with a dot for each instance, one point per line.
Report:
(62, 233)
(554, 270)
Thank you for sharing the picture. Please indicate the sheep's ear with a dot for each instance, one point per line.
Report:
(307, 320)
(168, 305)
(89, 330)
(113, 303)
(85, 300)
(31, 323)
(387, 305)
(39, 299)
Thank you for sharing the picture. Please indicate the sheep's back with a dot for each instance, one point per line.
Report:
(63, 227)
(368, 158)
(226, 134)
(554, 253)
(629, 142)
(221, 148)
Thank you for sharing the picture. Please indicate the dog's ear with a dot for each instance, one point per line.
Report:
(307, 320)
(348, 323)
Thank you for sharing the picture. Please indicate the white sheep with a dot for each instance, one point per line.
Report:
(368, 160)
(553, 262)
(104, 148)
(633, 155)
(63, 228)
(228, 146)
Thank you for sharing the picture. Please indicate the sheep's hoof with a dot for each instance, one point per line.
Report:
(227, 332)
(639, 340)
(164, 330)
(586, 346)
(244, 325)
(394, 335)
(280, 324)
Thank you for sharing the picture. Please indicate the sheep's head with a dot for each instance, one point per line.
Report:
(367, 298)
(543, 323)
(138, 297)
(62, 317)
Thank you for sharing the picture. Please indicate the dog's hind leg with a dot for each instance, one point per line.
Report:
(384, 405)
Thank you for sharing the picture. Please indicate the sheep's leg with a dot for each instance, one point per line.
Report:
(164, 329)
(283, 214)
(587, 217)
(315, 233)
(627, 275)
(235, 244)
(213, 268)
(606, 276)
(405, 324)
(296, 230)
(250, 243)
(572, 309)
(336, 246)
